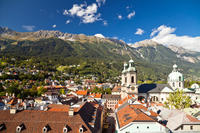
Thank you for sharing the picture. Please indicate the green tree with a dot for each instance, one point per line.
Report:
(178, 100)
(41, 90)
(62, 91)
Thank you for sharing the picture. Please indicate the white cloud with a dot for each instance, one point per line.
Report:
(105, 23)
(54, 26)
(130, 15)
(164, 35)
(28, 27)
(65, 12)
(119, 16)
(87, 14)
(100, 1)
(67, 22)
(99, 35)
(162, 30)
(139, 31)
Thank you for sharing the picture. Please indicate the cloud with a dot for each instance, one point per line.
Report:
(130, 15)
(99, 35)
(105, 23)
(65, 12)
(67, 22)
(139, 31)
(164, 35)
(162, 30)
(28, 27)
(100, 1)
(119, 16)
(54, 26)
(87, 14)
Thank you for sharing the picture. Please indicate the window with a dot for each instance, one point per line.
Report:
(162, 99)
(191, 127)
(179, 78)
(173, 84)
(125, 79)
(147, 127)
(137, 127)
(179, 84)
(132, 79)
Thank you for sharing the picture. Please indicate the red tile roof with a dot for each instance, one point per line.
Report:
(34, 121)
(81, 92)
(116, 89)
(130, 114)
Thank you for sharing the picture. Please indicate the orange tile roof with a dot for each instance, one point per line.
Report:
(192, 119)
(129, 114)
(116, 89)
(120, 102)
(97, 95)
(61, 108)
(81, 92)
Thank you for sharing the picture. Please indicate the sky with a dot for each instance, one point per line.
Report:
(175, 22)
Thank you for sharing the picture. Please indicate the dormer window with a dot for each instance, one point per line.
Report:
(81, 129)
(66, 129)
(2, 126)
(20, 128)
(45, 129)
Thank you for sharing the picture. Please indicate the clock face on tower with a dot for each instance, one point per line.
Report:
(132, 88)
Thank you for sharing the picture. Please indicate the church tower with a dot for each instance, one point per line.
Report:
(176, 79)
(129, 79)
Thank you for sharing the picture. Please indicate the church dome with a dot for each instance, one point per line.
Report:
(175, 76)
(131, 66)
(131, 61)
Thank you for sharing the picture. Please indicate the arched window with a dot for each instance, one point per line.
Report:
(179, 84)
(125, 79)
(173, 84)
(132, 79)
(179, 78)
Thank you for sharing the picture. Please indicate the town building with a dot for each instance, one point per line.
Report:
(154, 92)
(111, 101)
(132, 117)
(56, 119)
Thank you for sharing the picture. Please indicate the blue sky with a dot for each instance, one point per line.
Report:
(106, 17)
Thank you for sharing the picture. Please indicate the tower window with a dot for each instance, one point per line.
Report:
(179, 84)
(173, 84)
(125, 79)
(132, 79)
(179, 78)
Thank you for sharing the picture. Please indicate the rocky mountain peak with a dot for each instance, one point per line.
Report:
(179, 50)
(145, 43)
(6, 30)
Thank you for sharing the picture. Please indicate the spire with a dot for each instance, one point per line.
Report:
(125, 66)
(175, 68)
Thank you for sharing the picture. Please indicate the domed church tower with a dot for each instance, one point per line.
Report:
(175, 78)
(129, 79)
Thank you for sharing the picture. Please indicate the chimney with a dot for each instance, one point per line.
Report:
(71, 112)
(13, 111)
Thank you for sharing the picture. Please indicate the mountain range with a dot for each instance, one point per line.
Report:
(149, 56)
